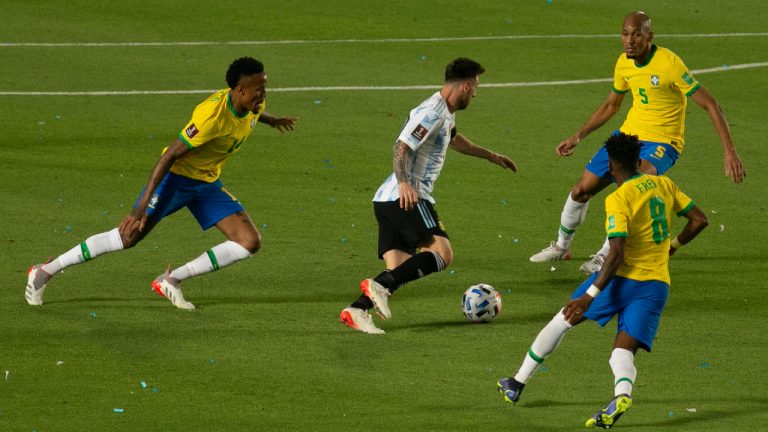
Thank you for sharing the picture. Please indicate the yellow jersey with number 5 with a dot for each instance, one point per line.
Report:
(660, 90)
(641, 210)
(215, 132)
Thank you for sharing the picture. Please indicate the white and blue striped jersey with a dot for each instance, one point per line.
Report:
(428, 133)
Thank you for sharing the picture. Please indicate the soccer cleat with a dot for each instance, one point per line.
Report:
(36, 283)
(168, 288)
(378, 295)
(553, 252)
(510, 388)
(359, 320)
(593, 265)
(609, 415)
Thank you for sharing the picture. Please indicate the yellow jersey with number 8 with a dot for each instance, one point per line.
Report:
(641, 210)
(215, 132)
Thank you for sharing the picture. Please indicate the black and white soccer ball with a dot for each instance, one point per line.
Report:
(481, 303)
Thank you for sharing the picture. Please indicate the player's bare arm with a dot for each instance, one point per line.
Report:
(602, 114)
(463, 145)
(137, 219)
(697, 221)
(283, 124)
(731, 161)
(400, 155)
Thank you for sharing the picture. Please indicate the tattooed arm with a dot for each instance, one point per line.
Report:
(400, 155)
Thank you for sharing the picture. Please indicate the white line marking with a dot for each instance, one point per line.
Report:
(361, 88)
(350, 41)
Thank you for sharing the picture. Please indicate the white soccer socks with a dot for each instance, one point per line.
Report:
(219, 256)
(572, 216)
(623, 366)
(545, 344)
(92, 247)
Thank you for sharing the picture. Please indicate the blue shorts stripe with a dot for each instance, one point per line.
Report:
(425, 216)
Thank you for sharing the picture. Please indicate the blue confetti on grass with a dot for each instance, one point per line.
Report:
(143, 384)
(68, 229)
(92, 314)
(118, 410)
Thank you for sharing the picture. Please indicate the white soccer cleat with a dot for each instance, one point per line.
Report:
(593, 265)
(36, 283)
(359, 320)
(378, 295)
(553, 252)
(168, 288)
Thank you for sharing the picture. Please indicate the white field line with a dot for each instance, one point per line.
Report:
(723, 68)
(356, 41)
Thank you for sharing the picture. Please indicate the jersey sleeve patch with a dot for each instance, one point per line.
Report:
(191, 131)
(420, 132)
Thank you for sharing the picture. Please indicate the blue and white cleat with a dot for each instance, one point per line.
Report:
(510, 388)
(608, 416)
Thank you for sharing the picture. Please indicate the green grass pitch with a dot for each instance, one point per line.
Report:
(265, 351)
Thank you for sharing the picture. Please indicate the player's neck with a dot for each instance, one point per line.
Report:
(645, 58)
(621, 176)
(447, 95)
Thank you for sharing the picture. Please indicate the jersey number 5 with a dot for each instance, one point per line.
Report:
(644, 97)
(659, 222)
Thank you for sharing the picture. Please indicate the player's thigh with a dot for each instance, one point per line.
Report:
(589, 185)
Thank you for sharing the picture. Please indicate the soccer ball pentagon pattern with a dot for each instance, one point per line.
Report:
(481, 303)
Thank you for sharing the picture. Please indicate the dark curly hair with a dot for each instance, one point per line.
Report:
(624, 150)
(244, 66)
(462, 69)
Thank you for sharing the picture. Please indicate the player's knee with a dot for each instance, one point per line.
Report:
(446, 256)
(580, 194)
(130, 239)
(252, 242)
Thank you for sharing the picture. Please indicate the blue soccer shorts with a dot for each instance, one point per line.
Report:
(208, 202)
(637, 303)
(661, 155)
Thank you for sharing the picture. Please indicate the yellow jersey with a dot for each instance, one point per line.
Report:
(660, 89)
(215, 132)
(641, 210)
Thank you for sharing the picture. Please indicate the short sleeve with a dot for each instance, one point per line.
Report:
(683, 78)
(620, 86)
(616, 217)
(200, 129)
(683, 203)
(418, 128)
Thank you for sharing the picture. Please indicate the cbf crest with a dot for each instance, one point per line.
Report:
(655, 80)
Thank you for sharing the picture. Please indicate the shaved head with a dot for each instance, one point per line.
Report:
(639, 19)
(637, 37)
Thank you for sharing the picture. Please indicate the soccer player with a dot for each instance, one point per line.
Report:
(634, 280)
(660, 85)
(187, 175)
(412, 238)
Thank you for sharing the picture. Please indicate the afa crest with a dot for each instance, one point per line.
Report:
(655, 80)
